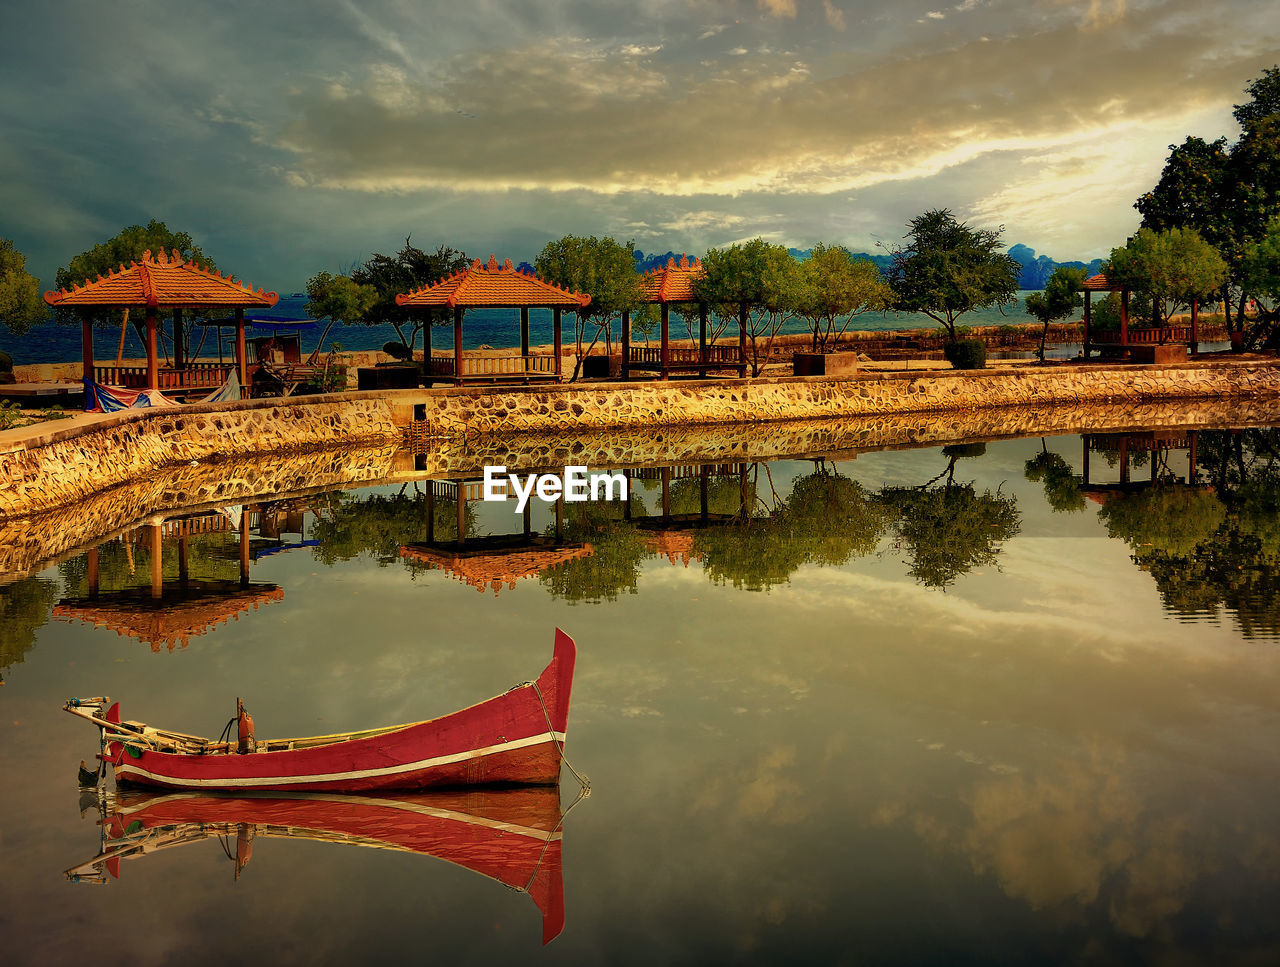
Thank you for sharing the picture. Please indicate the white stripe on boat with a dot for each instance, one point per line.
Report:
(125, 771)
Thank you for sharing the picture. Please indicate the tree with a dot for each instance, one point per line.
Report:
(410, 268)
(1173, 266)
(1261, 273)
(603, 269)
(24, 608)
(1060, 299)
(129, 245)
(1228, 194)
(1061, 486)
(948, 269)
(20, 304)
(756, 282)
(339, 299)
(833, 286)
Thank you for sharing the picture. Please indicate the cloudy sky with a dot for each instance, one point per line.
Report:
(291, 137)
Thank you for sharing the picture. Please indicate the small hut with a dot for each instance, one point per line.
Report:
(162, 283)
(674, 283)
(1153, 343)
(494, 286)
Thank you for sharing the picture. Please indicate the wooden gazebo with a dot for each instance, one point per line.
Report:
(674, 283)
(1156, 443)
(1153, 343)
(162, 283)
(494, 286)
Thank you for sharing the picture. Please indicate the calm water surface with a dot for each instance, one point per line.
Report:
(939, 705)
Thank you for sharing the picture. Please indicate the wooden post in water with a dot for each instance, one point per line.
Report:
(462, 511)
(244, 545)
(182, 559)
(92, 560)
(157, 561)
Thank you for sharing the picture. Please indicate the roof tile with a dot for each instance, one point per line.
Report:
(673, 282)
(163, 280)
(493, 285)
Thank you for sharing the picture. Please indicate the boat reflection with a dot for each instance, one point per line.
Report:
(509, 835)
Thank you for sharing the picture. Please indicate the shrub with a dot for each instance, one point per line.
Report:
(966, 353)
(397, 350)
(6, 362)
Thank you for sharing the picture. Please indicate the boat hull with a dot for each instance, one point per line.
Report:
(514, 738)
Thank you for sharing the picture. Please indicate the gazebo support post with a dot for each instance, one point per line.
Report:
(1195, 327)
(86, 348)
(461, 501)
(742, 341)
(457, 345)
(426, 352)
(702, 339)
(1124, 321)
(242, 354)
(431, 511)
(93, 573)
(153, 361)
(179, 354)
(626, 343)
(524, 340)
(556, 343)
(666, 341)
(1088, 303)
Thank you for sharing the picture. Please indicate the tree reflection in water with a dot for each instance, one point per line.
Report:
(24, 609)
(1212, 545)
(949, 529)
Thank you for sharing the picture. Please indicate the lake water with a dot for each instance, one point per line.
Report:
(930, 705)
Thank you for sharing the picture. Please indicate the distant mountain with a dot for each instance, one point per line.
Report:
(1035, 269)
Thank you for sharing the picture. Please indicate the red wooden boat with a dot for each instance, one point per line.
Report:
(517, 737)
(510, 835)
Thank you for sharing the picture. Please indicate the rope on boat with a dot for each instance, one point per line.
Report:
(583, 793)
(583, 781)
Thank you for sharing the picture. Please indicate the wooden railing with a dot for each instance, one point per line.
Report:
(681, 356)
(1144, 336)
(489, 366)
(192, 376)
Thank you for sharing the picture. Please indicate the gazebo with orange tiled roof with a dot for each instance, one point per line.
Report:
(1154, 343)
(491, 285)
(675, 283)
(152, 284)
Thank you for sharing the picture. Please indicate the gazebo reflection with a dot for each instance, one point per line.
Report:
(491, 562)
(671, 532)
(169, 610)
(1125, 450)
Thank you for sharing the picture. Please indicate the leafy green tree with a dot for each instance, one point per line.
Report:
(339, 299)
(1059, 300)
(603, 269)
(834, 518)
(1261, 272)
(757, 553)
(756, 282)
(947, 269)
(410, 268)
(1228, 193)
(128, 246)
(1172, 266)
(834, 287)
(20, 304)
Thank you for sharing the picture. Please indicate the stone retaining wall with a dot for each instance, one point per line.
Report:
(585, 406)
(64, 465)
